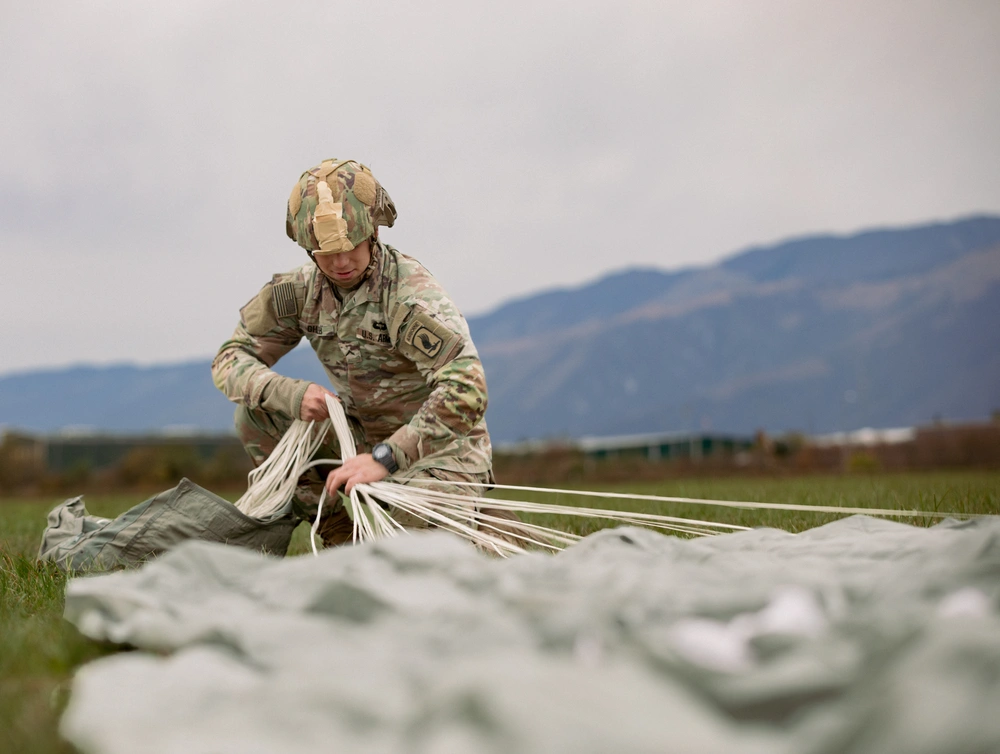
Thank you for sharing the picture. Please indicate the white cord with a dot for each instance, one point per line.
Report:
(888, 512)
(273, 483)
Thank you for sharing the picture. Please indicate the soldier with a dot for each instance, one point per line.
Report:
(395, 348)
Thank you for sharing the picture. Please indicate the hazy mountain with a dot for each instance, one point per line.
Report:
(883, 328)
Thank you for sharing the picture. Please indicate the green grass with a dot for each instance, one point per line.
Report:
(962, 493)
(39, 651)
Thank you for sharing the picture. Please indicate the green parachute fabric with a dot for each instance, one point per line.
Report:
(77, 541)
(862, 636)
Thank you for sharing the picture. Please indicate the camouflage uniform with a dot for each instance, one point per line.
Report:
(395, 348)
(397, 352)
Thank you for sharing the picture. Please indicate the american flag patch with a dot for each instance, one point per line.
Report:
(283, 295)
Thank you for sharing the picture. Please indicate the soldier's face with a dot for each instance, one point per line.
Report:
(346, 268)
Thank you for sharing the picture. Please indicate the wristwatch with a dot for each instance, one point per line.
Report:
(383, 454)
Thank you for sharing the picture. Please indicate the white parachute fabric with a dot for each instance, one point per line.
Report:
(859, 636)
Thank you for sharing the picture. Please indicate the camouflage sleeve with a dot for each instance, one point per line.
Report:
(435, 336)
(242, 367)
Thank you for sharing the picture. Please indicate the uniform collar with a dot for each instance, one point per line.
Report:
(371, 284)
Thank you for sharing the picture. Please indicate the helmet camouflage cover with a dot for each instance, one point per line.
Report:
(335, 206)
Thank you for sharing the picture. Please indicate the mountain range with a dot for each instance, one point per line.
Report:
(890, 327)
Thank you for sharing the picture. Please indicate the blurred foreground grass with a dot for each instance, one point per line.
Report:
(39, 651)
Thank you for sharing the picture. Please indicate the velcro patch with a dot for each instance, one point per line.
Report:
(364, 188)
(429, 337)
(258, 317)
(283, 295)
(374, 337)
(374, 329)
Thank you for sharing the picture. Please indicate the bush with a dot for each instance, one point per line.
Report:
(862, 462)
(158, 466)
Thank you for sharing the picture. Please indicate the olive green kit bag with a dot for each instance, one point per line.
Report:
(77, 541)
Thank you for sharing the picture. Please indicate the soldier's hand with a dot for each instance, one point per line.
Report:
(314, 404)
(361, 469)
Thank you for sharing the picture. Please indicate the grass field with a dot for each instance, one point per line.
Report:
(39, 651)
(968, 493)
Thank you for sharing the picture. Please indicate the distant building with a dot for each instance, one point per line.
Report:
(667, 446)
(866, 437)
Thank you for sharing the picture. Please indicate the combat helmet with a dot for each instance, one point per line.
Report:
(335, 206)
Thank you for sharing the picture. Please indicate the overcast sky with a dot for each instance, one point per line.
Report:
(147, 149)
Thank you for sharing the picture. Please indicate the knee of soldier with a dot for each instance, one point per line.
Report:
(259, 431)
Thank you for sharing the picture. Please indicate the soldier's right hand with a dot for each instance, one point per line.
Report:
(314, 403)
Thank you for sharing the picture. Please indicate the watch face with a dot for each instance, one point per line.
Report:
(383, 454)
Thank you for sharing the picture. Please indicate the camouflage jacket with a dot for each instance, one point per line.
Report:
(396, 349)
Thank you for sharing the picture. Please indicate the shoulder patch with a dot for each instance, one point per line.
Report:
(283, 296)
(429, 337)
(258, 315)
(396, 320)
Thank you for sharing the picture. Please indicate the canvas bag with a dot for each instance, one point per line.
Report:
(76, 541)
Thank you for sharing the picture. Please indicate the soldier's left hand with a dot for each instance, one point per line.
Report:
(361, 469)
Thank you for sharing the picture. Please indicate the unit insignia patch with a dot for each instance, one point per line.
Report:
(426, 342)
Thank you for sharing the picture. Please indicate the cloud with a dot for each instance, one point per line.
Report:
(148, 150)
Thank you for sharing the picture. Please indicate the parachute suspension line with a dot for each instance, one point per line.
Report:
(543, 508)
(471, 516)
(369, 519)
(271, 485)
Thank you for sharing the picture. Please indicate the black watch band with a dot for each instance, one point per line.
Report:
(383, 454)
